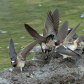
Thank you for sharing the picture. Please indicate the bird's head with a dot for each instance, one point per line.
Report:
(50, 37)
(57, 42)
(14, 61)
(69, 30)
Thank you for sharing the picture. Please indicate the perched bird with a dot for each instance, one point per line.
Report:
(52, 23)
(75, 36)
(68, 41)
(68, 46)
(19, 59)
(65, 51)
(47, 42)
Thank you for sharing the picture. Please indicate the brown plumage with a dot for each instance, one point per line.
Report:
(18, 60)
(70, 35)
(55, 17)
(62, 33)
(33, 33)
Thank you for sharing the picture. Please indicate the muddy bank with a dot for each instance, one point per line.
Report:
(54, 71)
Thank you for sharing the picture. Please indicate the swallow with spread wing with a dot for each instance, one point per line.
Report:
(49, 31)
(75, 36)
(68, 41)
(65, 51)
(19, 59)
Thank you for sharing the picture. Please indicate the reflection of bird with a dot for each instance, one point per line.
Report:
(65, 51)
(18, 60)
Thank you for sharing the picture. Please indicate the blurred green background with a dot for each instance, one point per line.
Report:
(14, 13)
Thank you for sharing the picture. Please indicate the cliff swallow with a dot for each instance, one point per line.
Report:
(19, 59)
(75, 36)
(50, 30)
(65, 51)
(52, 23)
(68, 42)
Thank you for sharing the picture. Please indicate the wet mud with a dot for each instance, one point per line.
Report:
(54, 70)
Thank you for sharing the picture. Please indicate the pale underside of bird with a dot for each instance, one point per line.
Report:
(19, 59)
(69, 42)
(66, 52)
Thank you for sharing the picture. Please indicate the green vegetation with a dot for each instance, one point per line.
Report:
(14, 13)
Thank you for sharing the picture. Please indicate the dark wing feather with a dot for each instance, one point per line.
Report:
(28, 48)
(49, 24)
(64, 50)
(33, 33)
(44, 32)
(79, 39)
(55, 17)
(70, 35)
(62, 33)
(12, 52)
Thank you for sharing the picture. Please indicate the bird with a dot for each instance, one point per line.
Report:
(19, 59)
(65, 51)
(67, 47)
(69, 42)
(75, 36)
(48, 41)
(49, 31)
(52, 23)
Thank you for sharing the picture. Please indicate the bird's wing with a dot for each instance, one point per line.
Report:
(62, 33)
(70, 35)
(49, 24)
(29, 47)
(64, 50)
(79, 39)
(45, 34)
(55, 17)
(75, 36)
(33, 33)
(12, 52)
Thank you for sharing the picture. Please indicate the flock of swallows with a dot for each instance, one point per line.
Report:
(64, 41)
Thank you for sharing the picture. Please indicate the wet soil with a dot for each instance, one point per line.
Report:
(53, 70)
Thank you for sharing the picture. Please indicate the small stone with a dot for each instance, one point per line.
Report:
(27, 75)
(40, 5)
(23, 37)
(15, 79)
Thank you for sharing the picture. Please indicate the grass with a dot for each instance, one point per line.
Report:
(14, 13)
